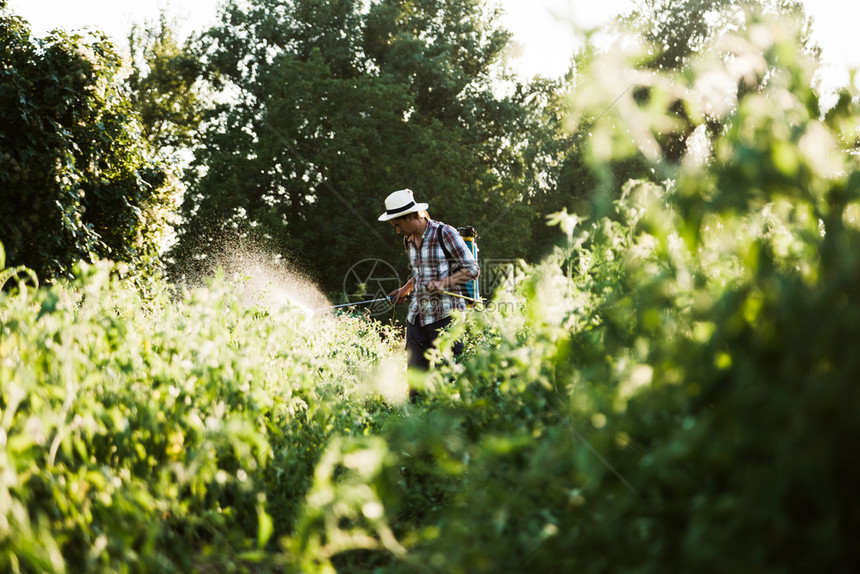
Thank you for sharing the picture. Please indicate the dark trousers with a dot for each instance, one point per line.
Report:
(421, 338)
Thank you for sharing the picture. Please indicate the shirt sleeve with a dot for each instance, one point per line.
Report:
(459, 251)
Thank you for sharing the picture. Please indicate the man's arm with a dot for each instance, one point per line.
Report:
(459, 277)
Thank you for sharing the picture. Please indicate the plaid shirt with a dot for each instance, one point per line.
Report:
(429, 264)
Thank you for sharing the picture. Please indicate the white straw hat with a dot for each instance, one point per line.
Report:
(400, 203)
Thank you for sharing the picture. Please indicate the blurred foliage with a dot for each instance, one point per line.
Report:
(76, 180)
(669, 35)
(678, 31)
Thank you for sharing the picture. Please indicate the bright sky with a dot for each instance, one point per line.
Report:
(542, 27)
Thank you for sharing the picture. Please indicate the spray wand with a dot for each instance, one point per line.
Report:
(354, 304)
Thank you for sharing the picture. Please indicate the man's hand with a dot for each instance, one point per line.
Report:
(436, 286)
(399, 295)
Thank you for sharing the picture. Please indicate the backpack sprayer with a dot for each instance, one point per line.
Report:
(469, 236)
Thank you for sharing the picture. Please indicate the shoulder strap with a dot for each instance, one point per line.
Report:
(441, 241)
(452, 263)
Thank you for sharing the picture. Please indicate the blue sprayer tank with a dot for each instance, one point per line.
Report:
(470, 236)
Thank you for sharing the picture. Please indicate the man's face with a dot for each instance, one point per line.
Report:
(405, 225)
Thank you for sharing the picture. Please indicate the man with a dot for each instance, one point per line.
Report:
(433, 273)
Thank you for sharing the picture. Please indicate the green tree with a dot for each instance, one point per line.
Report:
(334, 105)
(164, 86)
(76, 180)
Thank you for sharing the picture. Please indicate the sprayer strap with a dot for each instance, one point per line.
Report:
(451, 261)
